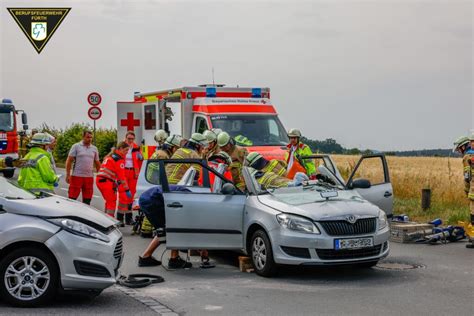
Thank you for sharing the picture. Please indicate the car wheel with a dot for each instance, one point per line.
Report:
(28, 277)
(262, 254)
(366, 265)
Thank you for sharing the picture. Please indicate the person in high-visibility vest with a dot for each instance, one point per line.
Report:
(133, 163)
(191, 150)
(38, 174)
(111, 178)
(257, 161)
(237, 153)
(296, 150)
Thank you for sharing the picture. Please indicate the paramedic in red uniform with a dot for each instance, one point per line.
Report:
(83, 158)
(111, 178)
(133, 163)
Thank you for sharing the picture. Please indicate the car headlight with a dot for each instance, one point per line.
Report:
(80, 229)
(297, 223)
(382, 220)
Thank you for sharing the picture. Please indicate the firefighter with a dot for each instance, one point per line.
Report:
(168, 148)
(133, 163)
(461, 145)
(470, 153)
(270, 180)
(237, 153)
(37, 173)
(111, 178)
(257, 161)
(160, 137)
(295, 150)
(212, 148)
(191, 150)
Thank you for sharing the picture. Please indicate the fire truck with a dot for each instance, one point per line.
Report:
(9, 129)
(247, 114)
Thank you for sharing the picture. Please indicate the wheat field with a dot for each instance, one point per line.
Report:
(409, 175)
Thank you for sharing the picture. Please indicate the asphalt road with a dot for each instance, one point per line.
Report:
(442, 284)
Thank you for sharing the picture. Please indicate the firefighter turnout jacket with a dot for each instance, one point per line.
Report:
(276, 166)
(269, 180)
(175, 171)
(238, 155)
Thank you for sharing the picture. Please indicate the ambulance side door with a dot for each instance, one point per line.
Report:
(129, 118)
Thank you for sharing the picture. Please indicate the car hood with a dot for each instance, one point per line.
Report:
(332, 209)
(57, 206)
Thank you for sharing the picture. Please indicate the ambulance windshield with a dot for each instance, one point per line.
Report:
(6, 120)
(252, 130)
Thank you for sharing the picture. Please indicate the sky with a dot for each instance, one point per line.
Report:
(386, 75)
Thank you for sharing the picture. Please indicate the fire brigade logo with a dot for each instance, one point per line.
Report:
(38, 24)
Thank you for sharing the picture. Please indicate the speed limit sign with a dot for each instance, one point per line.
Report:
(94, 113)
(94, 98)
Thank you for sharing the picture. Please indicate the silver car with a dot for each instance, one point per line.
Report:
(52, 244)
(325, 222)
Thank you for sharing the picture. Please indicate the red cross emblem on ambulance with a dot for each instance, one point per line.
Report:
(130, 122)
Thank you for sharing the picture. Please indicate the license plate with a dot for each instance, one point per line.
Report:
(353, 243)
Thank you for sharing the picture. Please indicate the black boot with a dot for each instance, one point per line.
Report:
(472, 219)
(120, 219)
(128, 218)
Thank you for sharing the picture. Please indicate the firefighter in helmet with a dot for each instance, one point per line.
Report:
(212, 147)
(295, 150)
(37, 173)
(270, 180)
(160, 137)
(237, 153)
(257, 161)
(169, 147)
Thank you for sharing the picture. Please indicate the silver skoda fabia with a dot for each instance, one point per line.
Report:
(52, 244)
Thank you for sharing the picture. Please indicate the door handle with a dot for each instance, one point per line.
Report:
(387, 194)
(175, 205)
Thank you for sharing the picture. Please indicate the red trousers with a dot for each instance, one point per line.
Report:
(108, 189)
(78, 184)
(132, 182)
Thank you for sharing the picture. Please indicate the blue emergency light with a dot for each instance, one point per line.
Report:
(211, 92)
(256, 92)
(7, 101)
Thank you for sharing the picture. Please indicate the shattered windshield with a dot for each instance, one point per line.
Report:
(252, 130)
(312, 194)
(10, 191)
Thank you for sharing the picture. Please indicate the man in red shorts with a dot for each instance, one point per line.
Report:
(82, 159)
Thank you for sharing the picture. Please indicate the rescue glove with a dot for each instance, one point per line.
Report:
(128, 194)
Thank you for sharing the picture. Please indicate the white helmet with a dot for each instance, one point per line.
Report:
(41, 139)
(210, 135)
(294, 132)
(174, 140)
(198, 138)
(160, 136)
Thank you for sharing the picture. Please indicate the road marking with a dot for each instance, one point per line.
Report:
(96, 196)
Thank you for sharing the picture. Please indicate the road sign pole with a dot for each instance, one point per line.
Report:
(94, 133)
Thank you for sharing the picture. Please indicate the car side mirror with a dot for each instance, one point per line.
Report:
(25, 127)
(361, 184)
(228, 189)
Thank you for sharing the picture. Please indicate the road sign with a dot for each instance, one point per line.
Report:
(94, 113)
(94, 98)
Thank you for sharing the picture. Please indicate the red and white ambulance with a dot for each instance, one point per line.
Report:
(247, 114)
(9, 129)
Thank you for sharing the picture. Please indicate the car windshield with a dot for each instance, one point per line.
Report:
(10, 191)
(312, 194)
(6, 120)
(252, 130)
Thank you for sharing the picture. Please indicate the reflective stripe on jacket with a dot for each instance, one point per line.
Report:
(271, 180)
(276, 166)
(37, 173)
(175, 171)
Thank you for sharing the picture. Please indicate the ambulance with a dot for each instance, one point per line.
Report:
(247, 114)
(9, 129)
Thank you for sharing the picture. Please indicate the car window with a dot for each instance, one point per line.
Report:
(371, 169)
(201, 124)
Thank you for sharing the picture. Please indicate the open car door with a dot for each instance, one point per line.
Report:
(201, 218)
(371, 179)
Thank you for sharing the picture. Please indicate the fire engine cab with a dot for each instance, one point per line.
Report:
(247, 114)
(9, 128)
